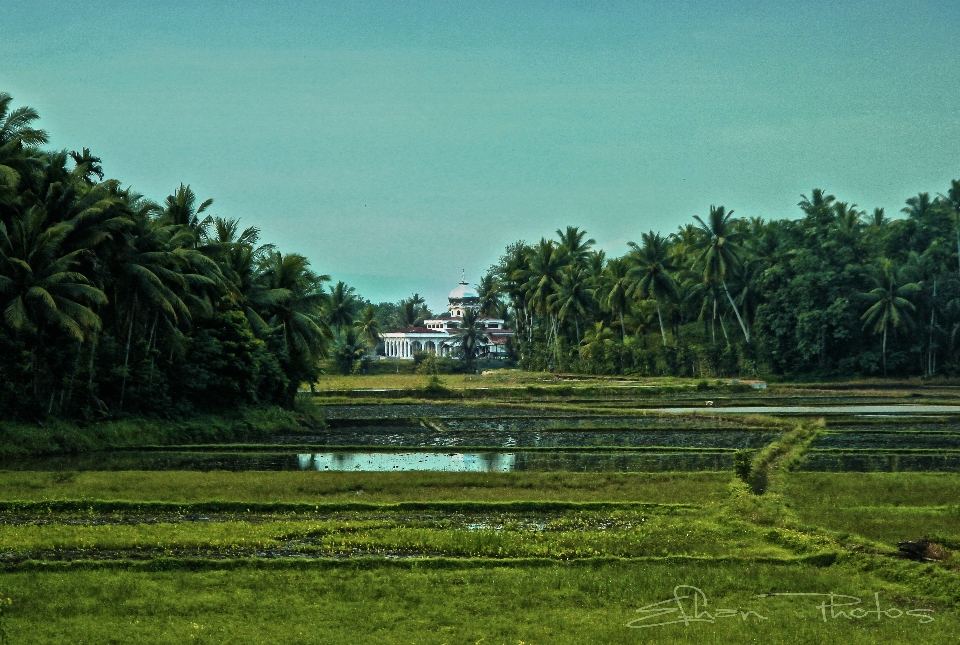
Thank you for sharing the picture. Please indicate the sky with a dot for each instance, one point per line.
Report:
(396, 144)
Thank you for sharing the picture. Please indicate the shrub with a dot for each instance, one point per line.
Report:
(438, 365)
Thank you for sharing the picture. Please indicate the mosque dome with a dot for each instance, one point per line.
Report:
(463, 292)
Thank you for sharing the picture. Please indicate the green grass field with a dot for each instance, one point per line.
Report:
(482, 573)
(372, 487)
(462, 602)
(507, 558)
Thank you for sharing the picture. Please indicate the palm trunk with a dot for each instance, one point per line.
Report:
(884, 350)
(723, 328)
(823, 345)
(126, 359)
(662, 332)
(746, 332)
(153, 330)
(73, 377)
(93, 353)
(933, 313)
(623, 327)
(713, 323)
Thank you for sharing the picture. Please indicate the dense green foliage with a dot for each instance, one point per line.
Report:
(836, 292)
(112, 303)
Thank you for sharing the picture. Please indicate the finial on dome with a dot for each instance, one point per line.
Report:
(463, 276)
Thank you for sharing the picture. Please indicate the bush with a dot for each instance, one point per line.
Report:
(743, 463)
(438, 365)
(434, 388)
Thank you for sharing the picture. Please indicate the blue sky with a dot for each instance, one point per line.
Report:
(395, 144)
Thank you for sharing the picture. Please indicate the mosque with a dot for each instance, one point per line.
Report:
(438, 335)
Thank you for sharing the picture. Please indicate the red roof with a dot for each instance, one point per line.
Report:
(426, 330)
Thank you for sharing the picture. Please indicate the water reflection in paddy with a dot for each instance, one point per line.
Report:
(484, 462)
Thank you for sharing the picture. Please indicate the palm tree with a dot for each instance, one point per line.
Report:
(719, 253)
(488, 290)
(16, 134)
(87, 165)
(159, 273)
(368, 326)
(180, 209)
(615, 289)
(890, 306)
(542, 278)
(918, 208)
(953, 199)
(510, 271)
(878, 219)
(351, 348)
(573, 297)
(15, 124)
(412, 311)
(818, 204)
(341, 306)
(927, 268)
(298, 316)
(594, 264)
(470, 336)
(652, 273)
(39, 286)
(598, 348)
(573, 244)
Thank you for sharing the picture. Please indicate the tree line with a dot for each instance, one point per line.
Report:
(836, 292)
(113, 303)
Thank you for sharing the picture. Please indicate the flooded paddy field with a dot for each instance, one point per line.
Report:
(867, 461)
(889, 440)
(512, 438)
(655, 460)
(886, 443)
(446, 496)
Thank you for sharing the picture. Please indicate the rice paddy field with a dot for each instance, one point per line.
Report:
(508, 509)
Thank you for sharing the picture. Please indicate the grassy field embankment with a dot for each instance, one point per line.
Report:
(51, 436)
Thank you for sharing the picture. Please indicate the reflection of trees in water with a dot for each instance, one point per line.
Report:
(867, 463)
(498, 461)
(416, 437)
(623, 461)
